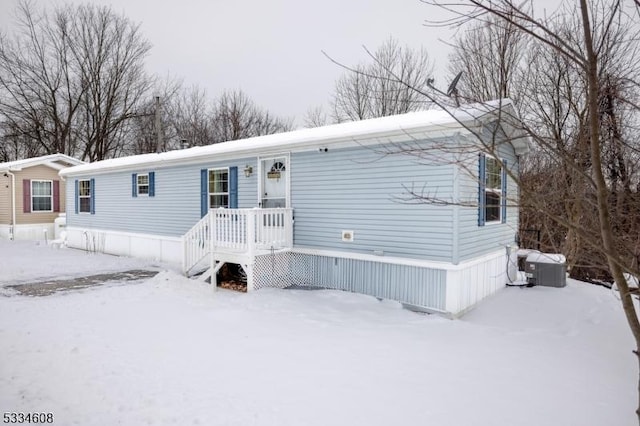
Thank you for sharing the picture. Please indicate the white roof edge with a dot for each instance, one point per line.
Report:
(18, 165)
(430, 121)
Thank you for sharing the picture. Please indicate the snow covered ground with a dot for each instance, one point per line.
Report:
(170, 351)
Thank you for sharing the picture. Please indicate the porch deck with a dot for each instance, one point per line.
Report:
(236, 236)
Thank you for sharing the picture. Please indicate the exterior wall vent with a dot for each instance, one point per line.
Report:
(347, 236)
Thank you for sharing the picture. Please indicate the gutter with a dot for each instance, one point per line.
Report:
(13, 204)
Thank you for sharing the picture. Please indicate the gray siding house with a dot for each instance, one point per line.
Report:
(420, 208)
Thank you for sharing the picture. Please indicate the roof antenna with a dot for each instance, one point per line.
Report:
(451, 91)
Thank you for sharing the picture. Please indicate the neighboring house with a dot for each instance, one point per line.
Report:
(32, 196)
(328, 207)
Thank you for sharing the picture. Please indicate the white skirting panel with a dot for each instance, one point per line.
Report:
(474, 280)
(144, 246)
(28, 232)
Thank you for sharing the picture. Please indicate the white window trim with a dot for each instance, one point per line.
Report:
(498, 191)
(80, 197)
(209, 194)
(148, 185)
(41, 196)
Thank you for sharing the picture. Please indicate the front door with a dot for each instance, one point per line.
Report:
(275, 182)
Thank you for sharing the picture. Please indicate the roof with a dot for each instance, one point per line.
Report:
(377, 130)
(55, 161)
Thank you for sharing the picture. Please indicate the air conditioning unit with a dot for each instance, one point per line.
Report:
(546, 269)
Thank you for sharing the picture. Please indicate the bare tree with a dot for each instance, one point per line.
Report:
(191, 117)
(109, 52)
(236, 116)
(15, 145)
(553, 101)
(600, 54)
(384, 86)
(490, 55)
(315, 117)
(39, 92)
(551, 92)
(498, 61)
(143, 130)
(71, 80)
(188, 116)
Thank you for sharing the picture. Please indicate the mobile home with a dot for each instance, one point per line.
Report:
(32, 196)
(419, 208)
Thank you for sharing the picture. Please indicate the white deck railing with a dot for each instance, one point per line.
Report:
(197, 244)
(240, 231)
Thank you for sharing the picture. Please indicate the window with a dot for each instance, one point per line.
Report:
(492, 191)
(218, 188)
(278, 166)
(84, 196)
(41, 196)
(142, 184)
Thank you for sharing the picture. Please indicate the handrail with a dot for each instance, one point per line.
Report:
(197, 243)
(238, 231)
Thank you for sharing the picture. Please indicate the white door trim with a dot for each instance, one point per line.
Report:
(287, 158)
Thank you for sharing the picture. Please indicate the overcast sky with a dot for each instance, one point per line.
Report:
(271, 49)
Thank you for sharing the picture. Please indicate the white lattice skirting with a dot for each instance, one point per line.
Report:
(279, 270)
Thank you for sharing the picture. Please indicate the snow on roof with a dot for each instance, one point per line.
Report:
(429, 121)
(57, 161)
(538, 257)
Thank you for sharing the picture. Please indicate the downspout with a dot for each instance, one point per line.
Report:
(62, 179)
(13, 205)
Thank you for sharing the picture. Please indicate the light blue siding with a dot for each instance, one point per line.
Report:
(355, 189)
(173, 210)
(358, 189)
(475, 240)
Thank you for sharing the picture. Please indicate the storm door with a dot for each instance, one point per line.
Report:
(275, 182)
